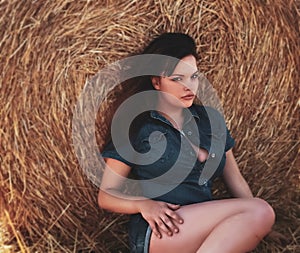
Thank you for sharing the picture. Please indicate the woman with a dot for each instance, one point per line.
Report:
(183, 218)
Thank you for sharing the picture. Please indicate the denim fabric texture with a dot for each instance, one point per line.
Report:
(174, 144)
(139, 239)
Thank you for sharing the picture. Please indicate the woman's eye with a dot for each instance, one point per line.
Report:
(176, 79)
(195, 76)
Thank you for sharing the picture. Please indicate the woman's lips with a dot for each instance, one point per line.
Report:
(188, 97)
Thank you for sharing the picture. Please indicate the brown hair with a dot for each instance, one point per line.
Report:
(175, 45)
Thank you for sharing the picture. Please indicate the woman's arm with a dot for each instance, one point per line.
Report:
(110, 196)
(233, 178)
(160, 215)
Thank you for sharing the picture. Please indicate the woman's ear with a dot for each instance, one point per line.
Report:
(156, 82)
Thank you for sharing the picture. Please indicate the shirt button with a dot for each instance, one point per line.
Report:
(203, 181)
(182, 133)
(213, 155)
(192, 153)
(189, 132)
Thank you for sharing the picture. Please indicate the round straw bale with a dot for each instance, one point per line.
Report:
(249, 51)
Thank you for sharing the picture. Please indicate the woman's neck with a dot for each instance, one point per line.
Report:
(173, 114)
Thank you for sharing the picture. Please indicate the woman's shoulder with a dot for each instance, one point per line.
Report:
(206, 111)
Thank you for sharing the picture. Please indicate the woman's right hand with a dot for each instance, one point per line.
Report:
(161, 216)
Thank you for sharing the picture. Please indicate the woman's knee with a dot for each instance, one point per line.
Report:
(263, 214)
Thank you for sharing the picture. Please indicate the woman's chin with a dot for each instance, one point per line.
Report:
(187, 104)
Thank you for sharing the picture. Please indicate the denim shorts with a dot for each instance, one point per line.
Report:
(139, 234)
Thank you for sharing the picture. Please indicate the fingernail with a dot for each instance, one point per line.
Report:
(170, 234)
(176, 230)
(181, 221)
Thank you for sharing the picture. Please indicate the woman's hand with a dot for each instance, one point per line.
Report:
(161, 216)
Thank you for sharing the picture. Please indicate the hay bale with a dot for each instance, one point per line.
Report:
(249, 51)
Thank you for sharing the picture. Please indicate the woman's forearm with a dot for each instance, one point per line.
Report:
(240, 188)
(115, 201)
(234, 180)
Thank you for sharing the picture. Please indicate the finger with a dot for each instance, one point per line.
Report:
(154, 229)
(175, 216)
(173, 206)
(170, 225)
(162, 227)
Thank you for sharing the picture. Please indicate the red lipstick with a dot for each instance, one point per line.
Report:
(188, 97)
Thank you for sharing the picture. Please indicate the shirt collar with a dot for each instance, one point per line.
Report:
(194, 112)
(156, 115)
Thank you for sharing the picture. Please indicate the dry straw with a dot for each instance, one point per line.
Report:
(249, 51)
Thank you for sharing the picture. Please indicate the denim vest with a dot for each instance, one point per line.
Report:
(170, 170)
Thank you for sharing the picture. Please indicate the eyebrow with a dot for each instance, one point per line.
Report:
(183, 75)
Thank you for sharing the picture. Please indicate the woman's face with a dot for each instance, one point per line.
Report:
(182, 84)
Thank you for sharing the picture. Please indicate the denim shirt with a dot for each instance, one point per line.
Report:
(168, 168)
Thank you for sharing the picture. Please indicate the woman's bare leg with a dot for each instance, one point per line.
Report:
(231, 225)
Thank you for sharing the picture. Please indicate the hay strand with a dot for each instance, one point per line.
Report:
(249, 51)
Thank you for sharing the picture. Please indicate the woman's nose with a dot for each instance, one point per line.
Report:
(186, 88)
(191, 85)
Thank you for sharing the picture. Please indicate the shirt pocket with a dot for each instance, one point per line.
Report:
(213, 167)
(214, 143)
(156, 145)
(160, 156)
(217, 147)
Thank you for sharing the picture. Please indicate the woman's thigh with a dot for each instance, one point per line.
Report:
(199, 220)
